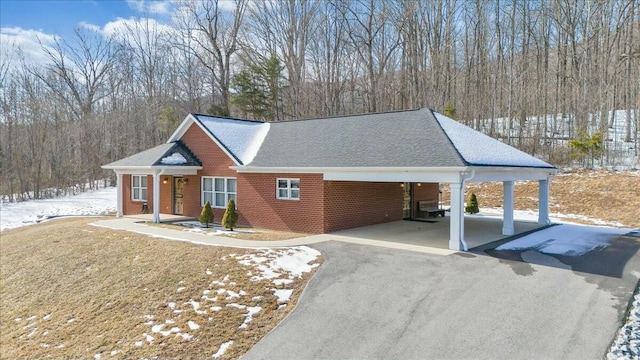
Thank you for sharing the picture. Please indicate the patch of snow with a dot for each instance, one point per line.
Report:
(174, 159)
(185, 336)
(480, 149)
(97, 356)
(46, 317)
(223, 349)
(157, 328)
(232, 295)
(45, 345)
(237, 306)
(626, 344)
(193, 325)
(242, 138)
(257, 298)
(251, 310)
(565, 239)
(273, 263)
(149, 338)
(171, 306)
(283, 295)
(169, 321)
(99, 202)
(181, 289)
(115, 352)
(216, 308)
(138, 343)
(71, 320)
(208, 272)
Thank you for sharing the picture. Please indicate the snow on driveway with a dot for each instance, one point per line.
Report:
(566, 239)
(99, 202)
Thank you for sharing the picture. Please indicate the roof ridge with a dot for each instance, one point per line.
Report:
(348, 115)
(434, 118)
(195, 115)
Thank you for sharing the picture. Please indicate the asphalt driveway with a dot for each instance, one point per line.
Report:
(377, 303)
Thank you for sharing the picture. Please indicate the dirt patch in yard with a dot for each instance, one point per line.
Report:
(605, 195)
(71, 290)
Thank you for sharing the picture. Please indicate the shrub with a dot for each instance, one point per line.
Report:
(206, 216)
(230, 216)
(472, 208)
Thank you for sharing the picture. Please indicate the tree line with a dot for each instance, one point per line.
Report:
(541, 75)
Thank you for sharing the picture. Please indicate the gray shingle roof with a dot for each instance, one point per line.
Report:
(154, 156)
(395, 139)
(400, 139)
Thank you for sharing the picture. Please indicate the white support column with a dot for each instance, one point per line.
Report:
(456, 219)
(156, 197)
(507, 206)
(543, 202)
(119, 186)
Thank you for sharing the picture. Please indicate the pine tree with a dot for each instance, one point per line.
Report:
(206, 216)
(472, 208)
(450, 111)
(230, 216)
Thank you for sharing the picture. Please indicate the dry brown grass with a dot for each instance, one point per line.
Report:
(255, 234)
(605, 195)
(71, 290)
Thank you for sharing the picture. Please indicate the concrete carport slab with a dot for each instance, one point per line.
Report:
(432, 235)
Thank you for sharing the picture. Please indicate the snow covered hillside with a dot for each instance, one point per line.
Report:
(99, 202)
(622, 154)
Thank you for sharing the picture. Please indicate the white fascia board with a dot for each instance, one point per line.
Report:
(184, 126)
(384, 174)
(484, 174)
(149, 170)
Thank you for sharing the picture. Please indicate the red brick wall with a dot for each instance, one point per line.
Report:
(215, 162)
(258, 206)
(350, 204)
(130, 207)
(426, 191)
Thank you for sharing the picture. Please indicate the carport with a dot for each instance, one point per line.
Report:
(457, 155)
(457, 178)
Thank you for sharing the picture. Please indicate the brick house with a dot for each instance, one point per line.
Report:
(323, 175)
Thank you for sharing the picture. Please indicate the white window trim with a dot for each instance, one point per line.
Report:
(213, 191)
(288, 188)
(140, 192)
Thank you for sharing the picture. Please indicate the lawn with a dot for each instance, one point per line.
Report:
(590, 197)
(72, 290)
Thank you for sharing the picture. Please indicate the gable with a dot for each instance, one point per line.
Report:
(239, 139)
(215, 161)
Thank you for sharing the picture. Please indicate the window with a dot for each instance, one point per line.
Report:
(139, 187)
(218, 191)
(288, 189)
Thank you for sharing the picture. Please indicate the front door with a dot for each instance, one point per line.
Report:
(178, 186)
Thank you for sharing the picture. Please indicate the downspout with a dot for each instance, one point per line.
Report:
(465, 178)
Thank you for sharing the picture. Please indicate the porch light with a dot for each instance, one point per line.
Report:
(401, 184)
(419, 184)
(185, 181)
(165, 180)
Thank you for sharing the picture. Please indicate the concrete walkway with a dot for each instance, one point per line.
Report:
(135, 225)
(430, 237)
